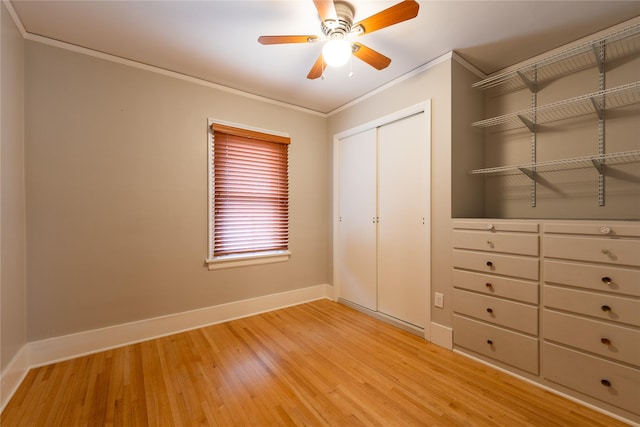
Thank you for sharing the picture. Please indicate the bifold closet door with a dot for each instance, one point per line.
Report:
(357, 225)
(403, 210)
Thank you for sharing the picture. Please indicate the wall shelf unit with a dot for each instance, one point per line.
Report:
(597, 52)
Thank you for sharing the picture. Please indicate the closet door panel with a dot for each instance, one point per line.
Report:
(357, 241)
(403, 251)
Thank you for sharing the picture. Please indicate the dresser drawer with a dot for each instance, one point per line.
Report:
(500, 225)
(511, 314)
(494, 285)
(613, 341)
(526, 268)
(614, 229)
(617, 280)
(509, 347)
(521, 244)
(604, 306)
(610, 382)
(603, 249)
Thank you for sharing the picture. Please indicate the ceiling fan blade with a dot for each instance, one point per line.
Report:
(286, 39)
(402, 11)
(370, 56)
(317, 69)
(326, 10)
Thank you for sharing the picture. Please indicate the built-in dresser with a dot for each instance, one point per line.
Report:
(555, 301)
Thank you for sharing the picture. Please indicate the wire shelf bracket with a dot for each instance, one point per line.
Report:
(599, 165)
(528, 172)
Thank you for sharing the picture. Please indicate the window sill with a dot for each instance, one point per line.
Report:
(232, 261)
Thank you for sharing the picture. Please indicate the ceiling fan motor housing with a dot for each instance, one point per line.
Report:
(340, 28)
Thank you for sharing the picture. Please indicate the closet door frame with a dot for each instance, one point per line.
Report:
(422, 107)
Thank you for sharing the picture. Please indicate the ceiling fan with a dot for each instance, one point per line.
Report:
(338, 29)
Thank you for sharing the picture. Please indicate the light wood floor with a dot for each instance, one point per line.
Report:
(317, 364)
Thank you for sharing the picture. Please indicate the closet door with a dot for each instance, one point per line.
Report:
(403, 229)
(357, 212)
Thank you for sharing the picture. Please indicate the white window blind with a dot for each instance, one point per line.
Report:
(250, 199)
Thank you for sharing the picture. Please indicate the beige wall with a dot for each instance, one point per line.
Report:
(434, 83)
(117, 194)
(13, 334)
(467, 144)
(116, 184)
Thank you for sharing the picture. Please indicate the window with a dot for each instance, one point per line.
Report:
(249, 197)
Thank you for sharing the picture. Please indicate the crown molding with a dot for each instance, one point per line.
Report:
(15, 18)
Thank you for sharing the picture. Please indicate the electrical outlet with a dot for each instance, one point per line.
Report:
(439, 300)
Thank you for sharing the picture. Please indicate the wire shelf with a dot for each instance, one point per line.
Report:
(597, 161)
(619, 44)
(596, 102)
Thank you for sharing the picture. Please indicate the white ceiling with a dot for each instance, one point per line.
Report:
(217, 40)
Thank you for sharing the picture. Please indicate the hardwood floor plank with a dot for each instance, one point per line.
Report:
(316, 364)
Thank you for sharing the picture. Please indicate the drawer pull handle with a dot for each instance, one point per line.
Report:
(605, 308)
(607, 280)
(605, 341)
(489, 264)
(490, 342)
(605, 383)
(490, 227)
(605, 230)
(490, 310)
(488, 285)
(490, 243)
(605, 252)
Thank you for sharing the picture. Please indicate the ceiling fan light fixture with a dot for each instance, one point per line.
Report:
(336, 52)
(338, 28)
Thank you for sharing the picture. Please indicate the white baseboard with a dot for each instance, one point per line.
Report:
(69, 346)
(13, 375)
(442, 335)
(51, 350)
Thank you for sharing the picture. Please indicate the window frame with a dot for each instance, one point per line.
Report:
(234, 260)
